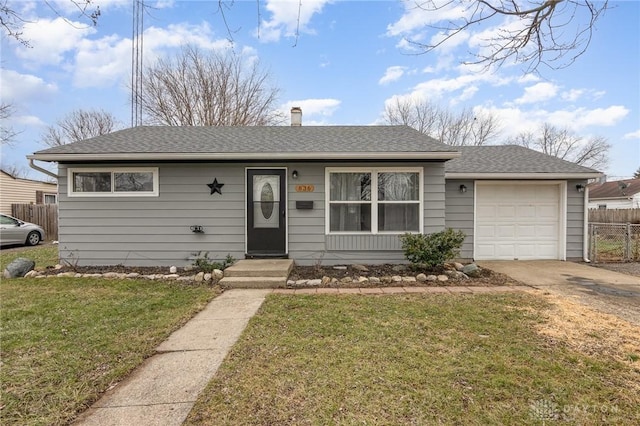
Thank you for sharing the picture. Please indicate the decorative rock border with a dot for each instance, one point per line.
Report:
(212, 277)
(454, 271)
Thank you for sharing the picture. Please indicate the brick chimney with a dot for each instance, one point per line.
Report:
(296, 117)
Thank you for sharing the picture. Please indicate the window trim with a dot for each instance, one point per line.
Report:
(49, 194)
(374, 198)
(112, 171)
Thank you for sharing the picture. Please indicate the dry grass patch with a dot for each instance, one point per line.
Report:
(412, 359)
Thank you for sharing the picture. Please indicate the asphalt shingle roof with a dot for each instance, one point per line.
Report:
(256, 139)
(615, 189)
(509, 159)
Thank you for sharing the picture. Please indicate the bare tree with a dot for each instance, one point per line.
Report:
(197, 89)
(550, 32)
(566, 145)
(7, 133)
(79, 125)
(15, 170)
(636, 175)
(12, 20)
(463, 128)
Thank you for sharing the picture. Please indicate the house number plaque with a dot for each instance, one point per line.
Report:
(305, 188)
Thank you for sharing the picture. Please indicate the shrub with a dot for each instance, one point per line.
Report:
(434, 249)
(205, 264)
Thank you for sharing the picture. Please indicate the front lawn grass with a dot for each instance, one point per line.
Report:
(412, 359)
(43, 255)
(66, 340)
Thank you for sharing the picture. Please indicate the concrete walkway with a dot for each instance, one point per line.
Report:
(163, 390)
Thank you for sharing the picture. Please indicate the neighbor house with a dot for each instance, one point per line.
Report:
(621, 194)
(330, 194)
(15, 190)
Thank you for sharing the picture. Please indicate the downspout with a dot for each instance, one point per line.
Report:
(40, 169)
(585, 236)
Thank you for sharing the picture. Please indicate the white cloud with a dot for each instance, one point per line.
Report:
(313, 108)
(416, 18)
(107, 60)
(23, 88)
(538, 93)
(51, 39)
(632, 135)
(287, 17)
(392, 74)
(572, 95)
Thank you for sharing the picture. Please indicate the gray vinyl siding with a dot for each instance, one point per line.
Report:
(575, 220)
(151, 231)
(459, 212)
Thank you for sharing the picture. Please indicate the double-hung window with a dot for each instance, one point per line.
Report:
(380, 200)
(113, 182)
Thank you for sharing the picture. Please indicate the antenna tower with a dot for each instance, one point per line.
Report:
(136, 62)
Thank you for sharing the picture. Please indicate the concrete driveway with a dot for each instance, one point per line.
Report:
(601, 289)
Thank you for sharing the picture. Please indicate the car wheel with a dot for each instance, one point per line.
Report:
(33, 239)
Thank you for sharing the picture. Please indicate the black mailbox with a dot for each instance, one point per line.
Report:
(304, 205)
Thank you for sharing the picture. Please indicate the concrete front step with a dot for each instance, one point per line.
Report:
(260, 268)
(253, 282)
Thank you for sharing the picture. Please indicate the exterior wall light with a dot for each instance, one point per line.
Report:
(463, 189)
(580, 187)
(294, 174)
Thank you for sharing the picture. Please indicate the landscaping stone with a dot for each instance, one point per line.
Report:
(110, 274)
(386, 279)
(346, 280)
(185, 278)
(173, 270)
(66, 274)
(207, 277)
(132, 275)
(301, 283)
(340, 268)
(399, 268)
(396, 278)
(362, 280)
(314, 283)
(19, 268)
(31, 274)
(443, 278)
(291, 283)
(326, 280)
(374, 280)
(171, 276)
(57, 267)
(218, 274)
(188, 268)
(360, 268)
(458, 266)
(199, 277)
(409, 279)
(421, 278)
(471, 270)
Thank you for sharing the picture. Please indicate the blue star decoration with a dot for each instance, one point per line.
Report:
(215, 187)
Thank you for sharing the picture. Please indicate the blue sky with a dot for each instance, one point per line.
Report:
(350, 58)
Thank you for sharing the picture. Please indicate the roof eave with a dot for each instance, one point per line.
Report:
(530, 176)
(248, 156)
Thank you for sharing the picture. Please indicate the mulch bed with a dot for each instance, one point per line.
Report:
(486, 277)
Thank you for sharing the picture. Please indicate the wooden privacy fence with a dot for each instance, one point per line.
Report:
(45, 215)
(614, 216)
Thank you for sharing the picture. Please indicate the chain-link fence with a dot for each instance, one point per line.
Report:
(614, 242)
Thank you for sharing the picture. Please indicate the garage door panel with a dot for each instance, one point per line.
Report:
(506, 231)
(517, 221)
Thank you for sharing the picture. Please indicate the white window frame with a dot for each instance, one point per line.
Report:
(374, 198)
(113, 170)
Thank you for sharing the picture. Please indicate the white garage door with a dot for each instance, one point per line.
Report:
(517, 221)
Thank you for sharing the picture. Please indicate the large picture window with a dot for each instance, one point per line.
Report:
(113, 182)
(374, 200)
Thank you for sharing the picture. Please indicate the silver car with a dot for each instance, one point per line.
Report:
(15, 231)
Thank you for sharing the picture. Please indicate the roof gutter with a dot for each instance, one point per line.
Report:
(248, 156)
(531, 176)
(40, 169)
